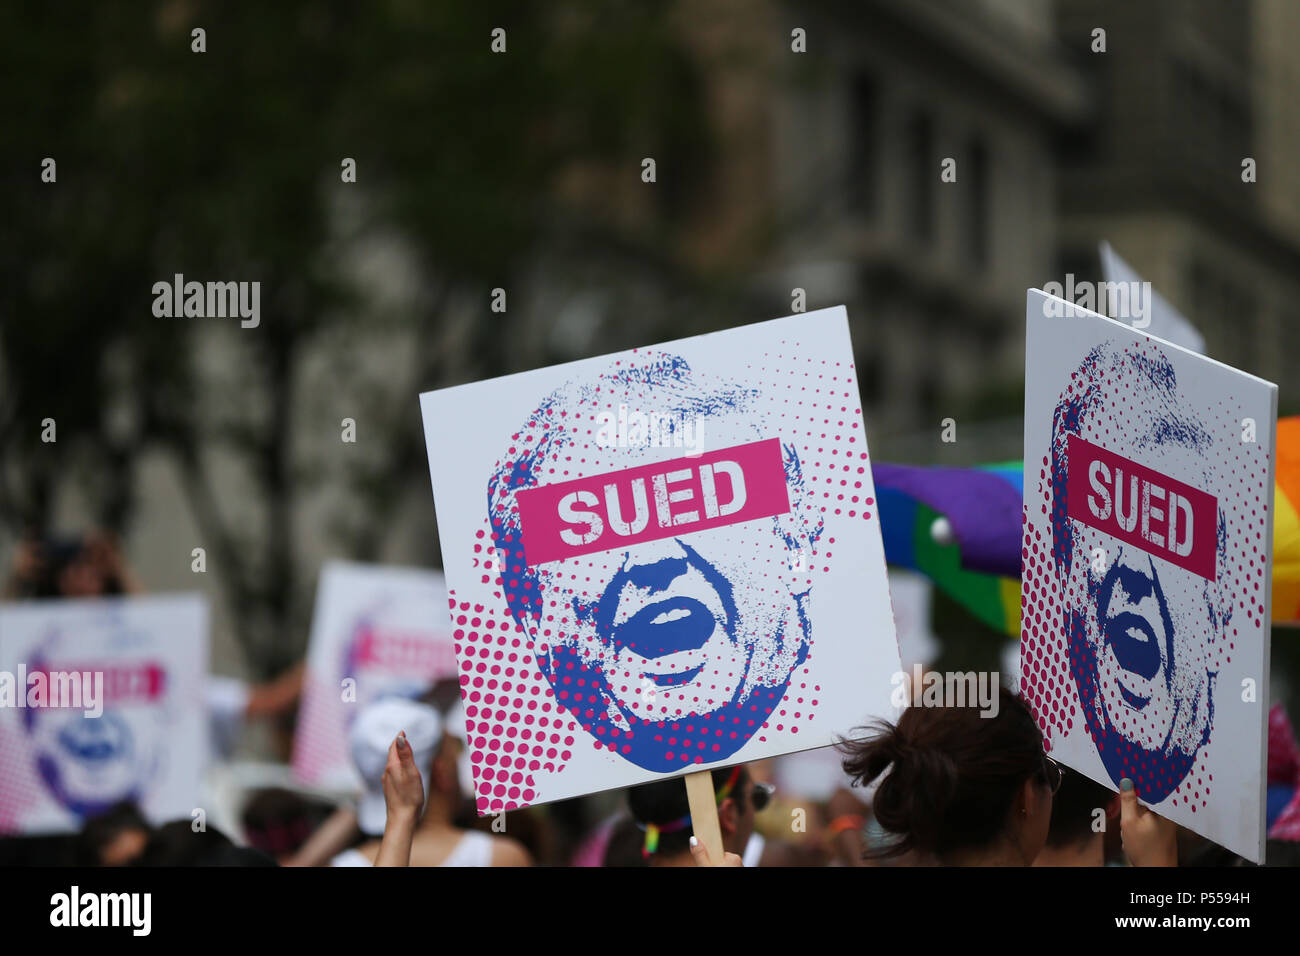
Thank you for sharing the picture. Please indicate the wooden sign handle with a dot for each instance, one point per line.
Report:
(704, 813)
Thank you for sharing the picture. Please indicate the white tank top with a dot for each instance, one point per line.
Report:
(351, 858)
(473, 849)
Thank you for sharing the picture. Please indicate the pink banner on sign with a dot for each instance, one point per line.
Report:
(406, 652)
(1159, 514)
(649, 502)
(123, 684)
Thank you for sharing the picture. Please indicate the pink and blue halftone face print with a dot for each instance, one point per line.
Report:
(1145, 556)
(663, 537)
(145, 743)
(377, 631)
(666, 645)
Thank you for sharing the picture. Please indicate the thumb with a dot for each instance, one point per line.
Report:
(1129, 808)
(700, 852)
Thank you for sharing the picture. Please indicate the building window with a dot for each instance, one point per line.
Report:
(871, 379)
(923, 175)
(977, 189)
(1214, 112)
(928, 393)
(864, 144)
(1227, 313)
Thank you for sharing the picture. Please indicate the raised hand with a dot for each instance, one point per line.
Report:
(701, 854)
(404, 796)
(1148, 838)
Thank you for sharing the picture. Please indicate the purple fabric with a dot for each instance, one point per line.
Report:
(983, 508)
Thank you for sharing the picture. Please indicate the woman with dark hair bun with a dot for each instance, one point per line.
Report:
(965, 786)
(958, 787)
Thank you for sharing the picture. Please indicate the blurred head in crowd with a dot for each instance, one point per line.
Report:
(445, 697)
(958, 788)
(706, 627)
(661, 814)
(86, 566)
(178, 844)
(371, 735)
(277, 821)
(1082, 812)
(1143, 633)
(114, 838)
(449, 779)
(624, 844)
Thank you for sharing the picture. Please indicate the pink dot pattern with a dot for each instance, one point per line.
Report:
(21, 791)
(521, 726)
(1121, 396)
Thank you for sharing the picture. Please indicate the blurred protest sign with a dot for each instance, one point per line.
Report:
(1157, 317)
(101, 701)
(662, 561)
(1147, 550)
(375, 631)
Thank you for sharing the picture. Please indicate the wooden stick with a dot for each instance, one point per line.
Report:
(704, 813)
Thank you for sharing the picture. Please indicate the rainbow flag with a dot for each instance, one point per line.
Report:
(981, 568)
(1286, 523)
(983, 505)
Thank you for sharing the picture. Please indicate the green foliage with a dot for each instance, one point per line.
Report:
(224, 165)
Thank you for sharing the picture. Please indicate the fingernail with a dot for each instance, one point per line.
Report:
(694, 842)
(1126, 785)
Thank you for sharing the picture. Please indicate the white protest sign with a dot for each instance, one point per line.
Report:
(817, 774)
(1147, 567)
(101, 701)
(663, 560)
(376, 631)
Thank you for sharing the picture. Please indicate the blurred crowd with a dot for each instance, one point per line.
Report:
(942, 786)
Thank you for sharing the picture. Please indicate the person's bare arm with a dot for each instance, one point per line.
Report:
(328, 840)
(404, 795)
(277, 695)
(844, 831)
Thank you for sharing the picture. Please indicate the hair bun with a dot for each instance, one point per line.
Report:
(948, 777)
(916, 794)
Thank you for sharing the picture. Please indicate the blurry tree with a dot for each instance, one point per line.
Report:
(225, 165)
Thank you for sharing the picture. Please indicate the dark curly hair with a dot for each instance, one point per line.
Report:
(950, 775)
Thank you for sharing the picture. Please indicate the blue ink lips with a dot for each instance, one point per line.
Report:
(1138, 653)
(674, 680)
(687, 626)
(89, 743)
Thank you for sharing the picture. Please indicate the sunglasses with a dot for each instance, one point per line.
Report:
(1053, 773)
(761, 795)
